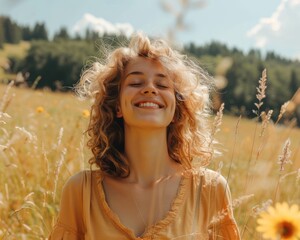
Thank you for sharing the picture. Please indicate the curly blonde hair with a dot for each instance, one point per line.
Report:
(188, 136)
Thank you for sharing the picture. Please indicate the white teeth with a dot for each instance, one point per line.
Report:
(149, 104)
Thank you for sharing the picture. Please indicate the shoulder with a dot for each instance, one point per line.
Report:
(214, 178)
(79, 180)
(208, 177)
(76, 190)
(75, 194)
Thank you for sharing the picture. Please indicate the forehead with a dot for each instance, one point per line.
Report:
(145, 66)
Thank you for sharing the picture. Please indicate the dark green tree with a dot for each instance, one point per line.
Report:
(213, 49)
(62, 34)
(59, 61)
(294, 83)
(26, 33)
(2, 37)
(39, 32)
(239, 94)
(11, 32)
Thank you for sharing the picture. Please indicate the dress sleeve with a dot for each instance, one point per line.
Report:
(69, 225)
(223, 225)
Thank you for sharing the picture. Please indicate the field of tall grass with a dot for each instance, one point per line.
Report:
(42, 144)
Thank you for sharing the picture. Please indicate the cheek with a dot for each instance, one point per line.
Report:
(172, 100)
(125, 99)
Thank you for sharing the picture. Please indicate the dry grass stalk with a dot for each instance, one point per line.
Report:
(57, 171)
(5, 100)
(287, 175)
(261, 94)
(282, 111)
(261, 91)
(217, 123)
(284, 158)
(265, 123)
(234, 146)
(179, 14)
(4, 117)
(238, 201)
(224, 212)
(266, 120)
(221, 164)
(6, 192)
(257, 209)
(20, 135)
(61, 131)
(218, 120)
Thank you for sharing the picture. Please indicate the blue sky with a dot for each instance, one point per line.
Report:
(264, 24)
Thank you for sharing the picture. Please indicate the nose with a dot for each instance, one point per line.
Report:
(149, 89)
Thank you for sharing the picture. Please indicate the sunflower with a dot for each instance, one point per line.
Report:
(281, 222)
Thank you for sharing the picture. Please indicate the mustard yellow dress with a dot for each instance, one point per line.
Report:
(201, 210)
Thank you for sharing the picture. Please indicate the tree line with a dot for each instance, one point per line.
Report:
(11, 32)
(57, 64)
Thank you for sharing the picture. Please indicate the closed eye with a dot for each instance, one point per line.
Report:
(135, 84)
(162, 86)
(163, 83)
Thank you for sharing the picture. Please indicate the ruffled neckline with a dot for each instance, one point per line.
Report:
(152, 229)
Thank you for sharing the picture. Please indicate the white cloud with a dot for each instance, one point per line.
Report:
(280, 31)
(102, 26)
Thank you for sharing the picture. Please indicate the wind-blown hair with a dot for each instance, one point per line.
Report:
(188, 135)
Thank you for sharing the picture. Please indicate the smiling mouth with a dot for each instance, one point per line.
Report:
(148, 105)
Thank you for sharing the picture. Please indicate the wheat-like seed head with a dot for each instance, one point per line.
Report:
(286, 175)
(284, 157)
(4, 99)
(218, 118)
(217, 122)
(235, 203)
(57, 171)
(257, 209)
(282, 110)
(266, 121)
(261, 89)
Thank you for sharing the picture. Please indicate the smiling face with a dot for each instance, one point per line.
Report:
(147, 96)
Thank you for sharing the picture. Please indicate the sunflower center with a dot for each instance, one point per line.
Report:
(286, 229)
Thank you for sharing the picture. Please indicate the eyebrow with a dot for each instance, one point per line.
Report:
(141, 73)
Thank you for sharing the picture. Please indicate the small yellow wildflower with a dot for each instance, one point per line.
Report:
(85, 113)
(281, 222)
(226, 130)
(40, 109)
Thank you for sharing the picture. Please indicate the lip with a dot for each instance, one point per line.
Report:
(137, 104)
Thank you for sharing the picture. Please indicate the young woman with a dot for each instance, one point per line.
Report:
(151, 141)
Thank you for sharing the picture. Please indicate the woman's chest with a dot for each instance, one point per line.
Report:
(140, 208)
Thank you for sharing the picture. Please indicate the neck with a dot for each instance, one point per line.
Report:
(148, 156)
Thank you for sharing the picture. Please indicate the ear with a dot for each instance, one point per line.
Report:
(119, 112)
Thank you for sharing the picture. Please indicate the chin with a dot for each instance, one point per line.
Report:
(150, 124)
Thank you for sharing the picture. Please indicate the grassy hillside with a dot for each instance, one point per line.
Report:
(42, 144)
(11, 50)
